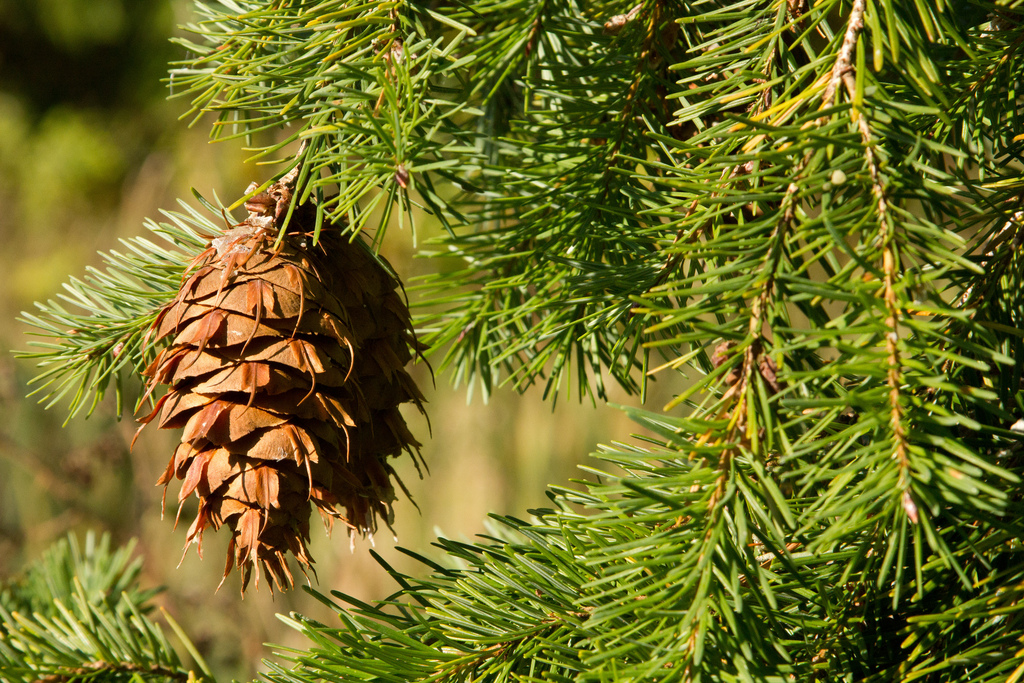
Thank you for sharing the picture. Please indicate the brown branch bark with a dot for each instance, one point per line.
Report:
(91, 669)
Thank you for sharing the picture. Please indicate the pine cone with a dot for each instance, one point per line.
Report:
(285, 369)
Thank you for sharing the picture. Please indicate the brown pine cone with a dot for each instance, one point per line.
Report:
(285, 371)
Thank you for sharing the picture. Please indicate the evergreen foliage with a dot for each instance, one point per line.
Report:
(98, 327)
(810, 212)
(78, 614)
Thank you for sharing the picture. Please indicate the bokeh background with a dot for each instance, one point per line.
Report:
(89, 147)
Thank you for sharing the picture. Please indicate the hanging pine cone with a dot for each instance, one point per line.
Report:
(285, 369)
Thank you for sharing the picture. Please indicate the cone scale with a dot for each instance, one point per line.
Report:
(285, 373)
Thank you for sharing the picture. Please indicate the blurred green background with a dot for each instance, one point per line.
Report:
(89, 147)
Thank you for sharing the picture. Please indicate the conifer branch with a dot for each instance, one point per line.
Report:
(844, 71)
(95, 333)
(102, 668)
(78, 613)
(810, 209)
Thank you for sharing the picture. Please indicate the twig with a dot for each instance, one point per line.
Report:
(93, 669)
(276, 199)
(288, 179)
(844, 64)
(615, 24)
(845, 71)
